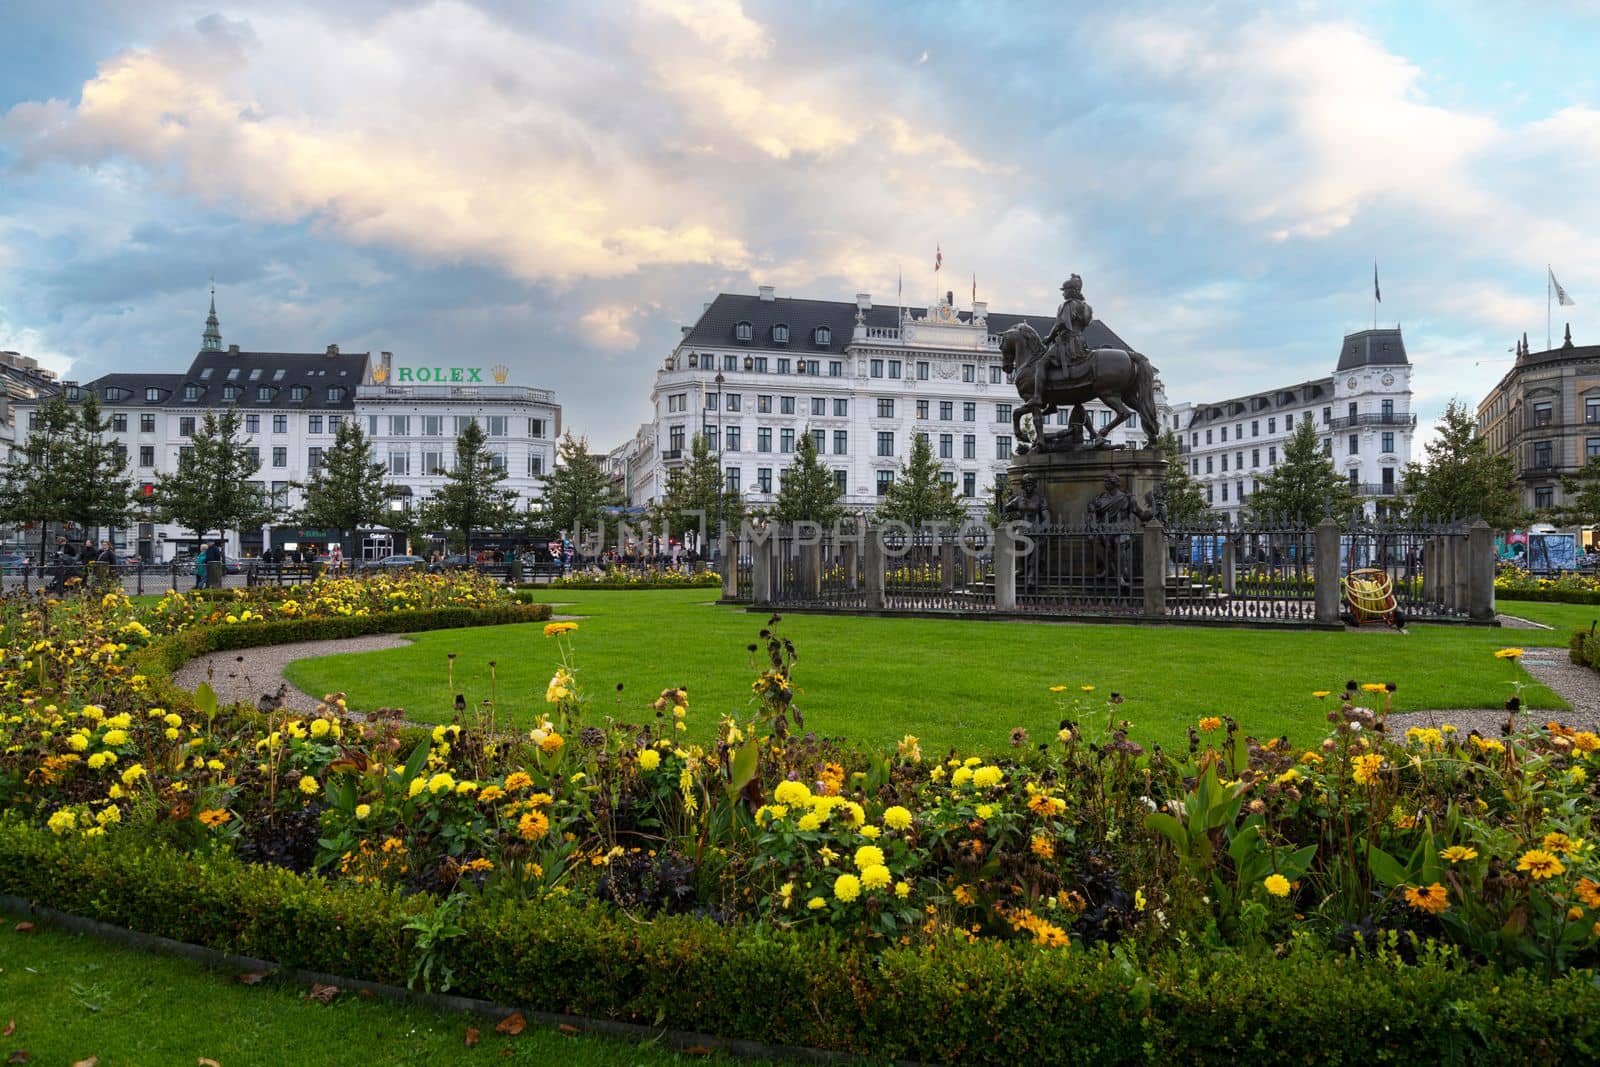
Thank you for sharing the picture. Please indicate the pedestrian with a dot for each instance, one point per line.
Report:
(202, 553)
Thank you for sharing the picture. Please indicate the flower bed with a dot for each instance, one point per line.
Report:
(629, 579)
(1570, 587)
(943, 906)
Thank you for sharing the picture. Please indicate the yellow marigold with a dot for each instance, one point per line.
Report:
(490, 794)
(868, 856)
(1586, 741)
(870, 832)
(896, 818)
(132, 774)
(1366, 768)
(816, 903)
(62, 822)
(1540, 864)
(1459, 854)
(902, 889)
(847, 887)
(808, 822)
(443, 782)
(1320, 693)
(1043, 847)
(214, 817)
(1277, 885)
(854, 814)
(320, 727)
(533, 825)
(115, 737)
(987, 777)
(418, 784)
(1058, 689)
(552, 743)
(363, 810)
(649, 759)
(308, 784)
(77, 742)
(1508, 653)
(555, 629)
(1209, 724)
(791, 793)
(1432, 899)
(1046, 806)
(876, 877)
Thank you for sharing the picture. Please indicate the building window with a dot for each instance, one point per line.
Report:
(969, 411)
(497, 461)
(711, 401)
(764, 479)
(280, 457)
(147, 455)
(535, 464)
(433, 426)
(812, 366)
(1002, 413)
(1272, 455)
(780, 334)
(1327, 447)
(761, 364)
(1543, 454)
(1224, 463)
(1255, 457)
(885, 443)
(280, 424)
(764, 439)
(947, 443)
(783, 364)
(969, 372)
(885, 408)
(186, 426)
(839, 476)
(191, 392)
(922, 370)
(841, 407)
(675, 402)
(877, 368)
(744, 331)
(1544, 497)
(313, 424)
(786, 405)
(1387, 407)
(433, 463)
(819, 405)
(841, 442)
(894, 368)
(1355, 444)
(1224, 492)
(147, 424)
(1288, 423)
(995, 375)
(969, 484)
(400, 463)
(1255, 427)
(1327, 416)
(399, 425)
(710, 434)
(151, 395)
(1388, 442)
(922, 409)
(1209, 469)
(819, 439)
(496, 425)
(334, 422)
(1591, 447)
(947, 410)
(835, 368)
(786, 441)
(733, 479)
(462, 422)
(1002, 447)
(731, 442)
(313, 459)
(675, 438)
(1224, 432)
(730, 362)
(885, 479)
(1386, 479)
(1195, 465)
(1591, 410)
(969, 446)
(764, 404)
(735, 400)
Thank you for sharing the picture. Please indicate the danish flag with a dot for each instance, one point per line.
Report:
(938, 259)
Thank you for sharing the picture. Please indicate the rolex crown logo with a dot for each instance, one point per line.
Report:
(380, 374)
(500, 372)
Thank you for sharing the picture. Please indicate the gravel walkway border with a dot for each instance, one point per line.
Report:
(247, 674)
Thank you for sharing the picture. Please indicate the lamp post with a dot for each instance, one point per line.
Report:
(721, 474)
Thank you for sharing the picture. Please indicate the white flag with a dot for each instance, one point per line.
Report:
(1561, 294)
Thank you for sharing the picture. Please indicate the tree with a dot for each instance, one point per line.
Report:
(472, 497)
(918, 495)
(576, 492)
(1583, 494)
(1459, 479)
(1186, 503)
(808, 492)
(349, 490)
(1305, 488)
(695, 493)
(212, 487)
(36, 482)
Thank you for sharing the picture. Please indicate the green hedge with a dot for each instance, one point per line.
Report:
(1550, 596)
(989, 1002)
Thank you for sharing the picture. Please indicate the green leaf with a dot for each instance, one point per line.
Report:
(205, 700)
(1385, 867)
(414, 765)
(745, 764)
(1171, 828)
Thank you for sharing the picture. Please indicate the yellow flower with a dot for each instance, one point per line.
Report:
(649, 759)
(1432, 899)
(1087, 688)
(533, 825)
(1508, 653)
(132, 774)
(363, 810)
(870, 832)
(62, 821)
(791, 793)
(1058, 689)
(808, 822)
(517, 781)
(320, 727)
(1459, 853)
(308, 784)
(1320, 693)
(987, 777)
(1367, 768)
(1373, 687)
(552, 743)
(1277, 885)
(868, 856)
(1589, 892)
(902, 890)
(77, 742)
(847, 887)
(964, 895)
(984, 811)
(213, 817)
(1540, 864)
(896, 818)
(555, 629)
(115, 737)
(876, 877)
(1586, 741)
(442, 782)
(816, 903)
(1210, 724)
(1557, 842)
(1043, 847)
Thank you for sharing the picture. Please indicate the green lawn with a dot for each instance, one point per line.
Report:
(951, 682)
(73, 997)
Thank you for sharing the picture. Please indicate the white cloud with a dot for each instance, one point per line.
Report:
(608, 327)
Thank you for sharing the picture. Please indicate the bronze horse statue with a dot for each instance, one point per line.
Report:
(1122, 380)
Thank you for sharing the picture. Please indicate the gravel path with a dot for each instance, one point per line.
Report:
(247, 674)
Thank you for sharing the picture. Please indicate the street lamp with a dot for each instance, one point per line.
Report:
(721, 473)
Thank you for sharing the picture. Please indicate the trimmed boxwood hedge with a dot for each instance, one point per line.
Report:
(989, 1002)
(1550, 596)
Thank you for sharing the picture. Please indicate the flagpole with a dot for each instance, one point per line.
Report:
(1549, 277)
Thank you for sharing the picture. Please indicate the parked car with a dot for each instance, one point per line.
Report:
(13, 562)
(456, 561)
(397, 562)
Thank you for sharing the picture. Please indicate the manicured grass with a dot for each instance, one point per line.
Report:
(73, 997)
(951, 682)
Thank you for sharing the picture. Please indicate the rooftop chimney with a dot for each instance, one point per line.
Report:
(233, 350)
(864, 301)
(766, 292)
(950, 297)
(333, 350)
(686, 330)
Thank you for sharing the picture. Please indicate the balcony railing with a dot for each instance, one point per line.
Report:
(1376, 488)
(1350, 422)
(669, 455)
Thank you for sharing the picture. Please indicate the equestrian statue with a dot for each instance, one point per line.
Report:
(1060, 371)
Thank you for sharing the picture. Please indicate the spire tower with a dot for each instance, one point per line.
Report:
(211, 340)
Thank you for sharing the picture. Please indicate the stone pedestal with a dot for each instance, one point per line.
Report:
(1070, 480)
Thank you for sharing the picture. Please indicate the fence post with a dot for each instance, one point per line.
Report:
(1327, 593)
(1480, 571)
(1005, 568)
(1155, 570)
(761, 576)
(1430, 572)
(876, 570)
(810, 570)
(847, 560)
(728, 550)
(1459, 569)
(1230, 565)
(947, 566)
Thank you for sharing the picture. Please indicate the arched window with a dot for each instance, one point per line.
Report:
(823, 336)
(191, 392)
(744, 331)
(780, 334)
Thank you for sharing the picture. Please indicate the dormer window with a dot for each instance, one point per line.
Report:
(230, 392)
(255, 374)
(191, 392)
(263, 393)
(298, 392)
(335, 394)
(822, 336)
(205, 373)
(744, 331)
(277, 375)
(780, 334)
(74, 393)
(233, 374)
(115, 394)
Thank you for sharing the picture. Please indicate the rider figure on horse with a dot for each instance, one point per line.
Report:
(1071, 353)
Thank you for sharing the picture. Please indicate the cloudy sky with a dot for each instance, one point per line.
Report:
(559, 185)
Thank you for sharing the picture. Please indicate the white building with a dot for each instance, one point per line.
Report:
(755, 372)
(1362, 413)
(413, 412)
